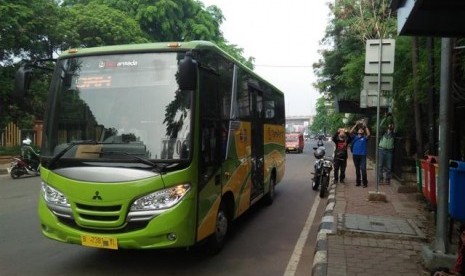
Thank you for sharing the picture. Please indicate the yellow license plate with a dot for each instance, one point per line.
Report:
(99, 242)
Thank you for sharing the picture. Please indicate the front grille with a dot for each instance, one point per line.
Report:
(99, 218)
(99, 215)
(129, 227)
(99, 208)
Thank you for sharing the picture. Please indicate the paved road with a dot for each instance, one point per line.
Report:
(274, 240)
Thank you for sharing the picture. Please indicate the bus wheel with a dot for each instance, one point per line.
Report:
(217, 240)
(269, 197)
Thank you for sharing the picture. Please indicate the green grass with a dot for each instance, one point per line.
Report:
(10, 150)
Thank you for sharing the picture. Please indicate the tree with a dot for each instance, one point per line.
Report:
(26, 28)
(326, 120)
(167, 20)
(85, 27)
(43, 28)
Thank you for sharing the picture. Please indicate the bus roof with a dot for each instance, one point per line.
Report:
(144, 47)
(157, 47)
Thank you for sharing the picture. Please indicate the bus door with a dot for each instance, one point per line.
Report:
(210, 160)
(257, 140)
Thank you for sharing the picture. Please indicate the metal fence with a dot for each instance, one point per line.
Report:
(402, 161)
(12, 136)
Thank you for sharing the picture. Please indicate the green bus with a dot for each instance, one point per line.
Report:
(157, 145)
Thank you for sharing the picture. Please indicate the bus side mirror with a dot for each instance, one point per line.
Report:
(22, 80)
(187, 70)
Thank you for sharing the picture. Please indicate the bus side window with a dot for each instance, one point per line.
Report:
(209, 150)
(269, 109)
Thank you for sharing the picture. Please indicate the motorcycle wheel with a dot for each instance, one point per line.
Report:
(315, 184)
(324, 185)
(15, 172)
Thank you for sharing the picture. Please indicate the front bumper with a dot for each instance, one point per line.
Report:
(179, 222)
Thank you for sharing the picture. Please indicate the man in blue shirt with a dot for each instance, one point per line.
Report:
(359, 152)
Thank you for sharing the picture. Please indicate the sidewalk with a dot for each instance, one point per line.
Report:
(362, 237)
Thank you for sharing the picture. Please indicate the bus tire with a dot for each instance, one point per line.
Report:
(269, 197)
(217, 240)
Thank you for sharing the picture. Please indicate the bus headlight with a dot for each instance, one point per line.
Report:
(53, 196)
(162, 199)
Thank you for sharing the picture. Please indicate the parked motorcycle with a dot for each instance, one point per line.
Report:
(322, 171)
(26, 164)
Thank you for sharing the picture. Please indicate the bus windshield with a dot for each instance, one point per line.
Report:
(126, 103)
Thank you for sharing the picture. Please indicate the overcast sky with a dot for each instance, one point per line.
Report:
(283, 37)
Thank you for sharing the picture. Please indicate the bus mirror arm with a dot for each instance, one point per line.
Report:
(187, 70)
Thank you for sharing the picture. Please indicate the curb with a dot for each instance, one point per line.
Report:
(320, 260)
(4, 167)
(3, 171)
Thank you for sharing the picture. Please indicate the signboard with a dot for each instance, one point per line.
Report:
(372, 56)
(369, 98)
(371, 83)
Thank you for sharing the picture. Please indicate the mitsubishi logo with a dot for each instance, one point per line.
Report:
(97, 196)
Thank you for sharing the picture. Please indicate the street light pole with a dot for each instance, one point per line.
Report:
(380, 60)
(441, 244)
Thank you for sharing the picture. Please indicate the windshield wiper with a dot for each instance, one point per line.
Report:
(65, 150)
(158, 167)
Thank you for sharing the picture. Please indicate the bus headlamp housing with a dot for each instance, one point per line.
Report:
(53, 197)
(162, 199)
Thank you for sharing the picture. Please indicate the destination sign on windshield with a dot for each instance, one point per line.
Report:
(94, 82)
(126, 71)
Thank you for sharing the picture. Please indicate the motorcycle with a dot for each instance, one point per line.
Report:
(26, 164)
(322, 171)
(19, 167)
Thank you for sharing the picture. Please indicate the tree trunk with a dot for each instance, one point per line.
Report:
(416, 104)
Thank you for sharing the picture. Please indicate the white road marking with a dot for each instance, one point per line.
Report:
(297, 253)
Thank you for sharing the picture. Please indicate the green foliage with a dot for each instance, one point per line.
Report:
(340, 72)
(26, 27)
(167, 20)
(12, 151)
(6, 82)
(85, 27)
(325, 119)
(237, 53)
(40, 29)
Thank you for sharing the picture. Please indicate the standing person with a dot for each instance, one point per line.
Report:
(359, 152)
(341, 140)
(386, 149)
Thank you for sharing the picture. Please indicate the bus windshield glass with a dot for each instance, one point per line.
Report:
(126, 103)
